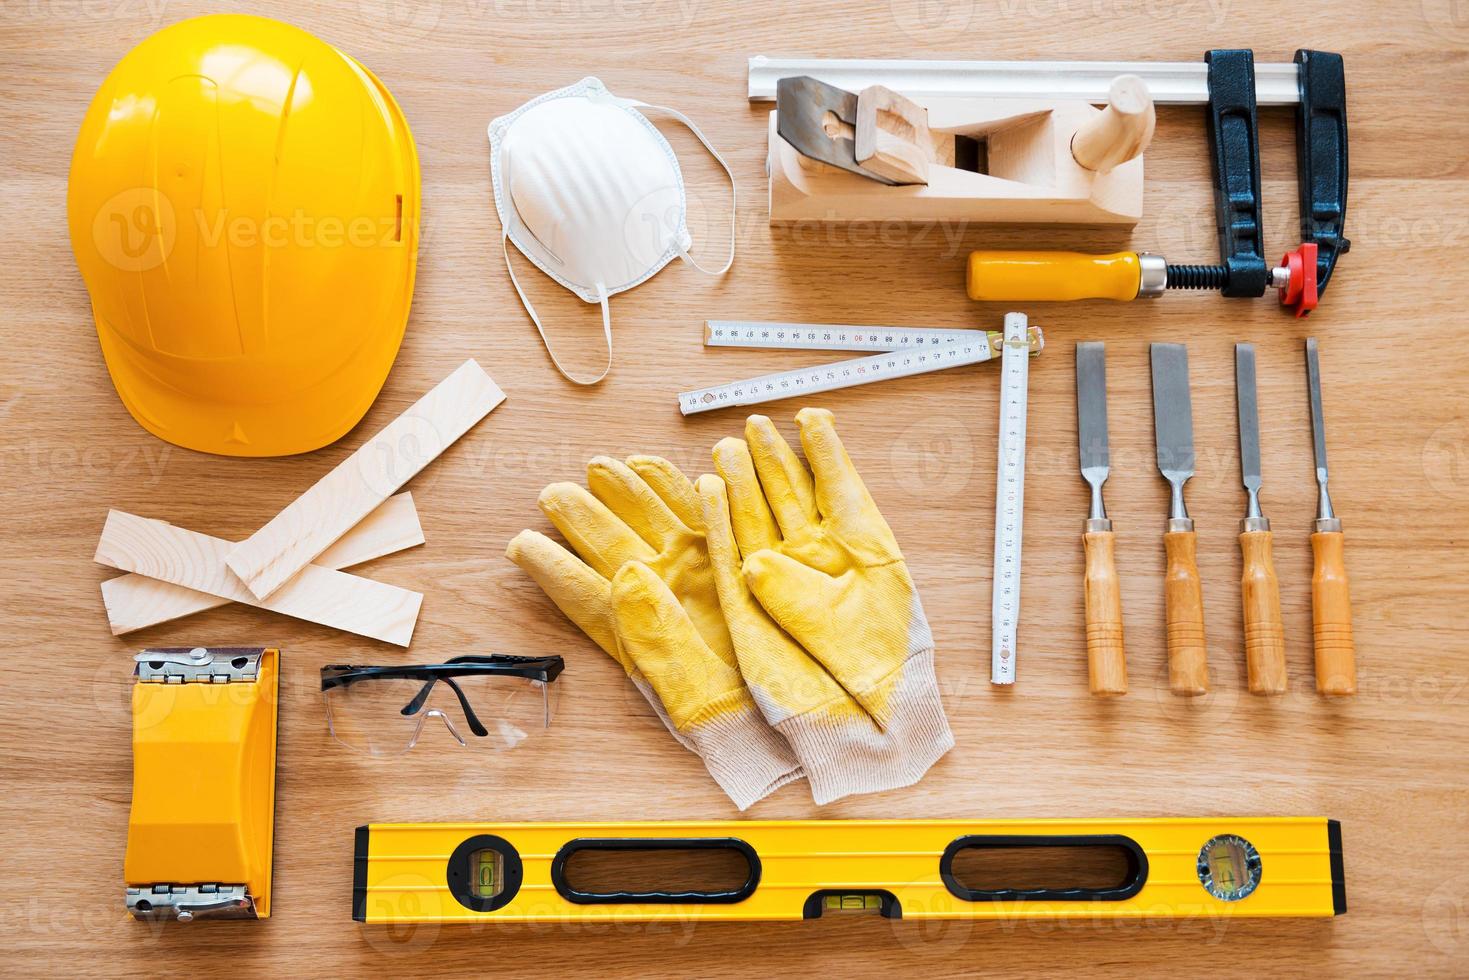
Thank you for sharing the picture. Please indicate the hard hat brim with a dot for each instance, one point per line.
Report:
(250, 424)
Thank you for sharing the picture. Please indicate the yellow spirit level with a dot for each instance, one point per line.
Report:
(799, 869)
(203, 812)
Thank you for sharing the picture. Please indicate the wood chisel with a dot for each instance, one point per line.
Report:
(1183, 595)
(1260, 590)
(1105, 655)
(1331, 603)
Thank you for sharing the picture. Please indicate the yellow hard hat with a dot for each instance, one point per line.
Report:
(244, 207)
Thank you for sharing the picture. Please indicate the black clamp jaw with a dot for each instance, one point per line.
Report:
(1234, 156)
(1321, 157)
(1321, 167)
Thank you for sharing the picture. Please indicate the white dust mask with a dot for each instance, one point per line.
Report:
(590, 191)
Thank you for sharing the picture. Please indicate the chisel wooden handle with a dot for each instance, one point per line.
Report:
(1183, 601)
(1331, 614)
(1105, 659)
(1264, 630)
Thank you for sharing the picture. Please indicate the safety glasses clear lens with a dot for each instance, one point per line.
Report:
(388, 716)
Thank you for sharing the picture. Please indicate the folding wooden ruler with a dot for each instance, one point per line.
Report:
(899, 352)
(905, 351)
(1009, 500)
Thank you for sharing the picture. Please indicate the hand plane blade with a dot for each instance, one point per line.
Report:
(820, 122)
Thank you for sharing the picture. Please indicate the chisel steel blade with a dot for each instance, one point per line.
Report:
(1318, 425)
(1173, 413)
(1091, 411)
(1249, 416)
(1249, 435)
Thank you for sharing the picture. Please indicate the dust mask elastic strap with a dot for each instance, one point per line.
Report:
(534, 318)
(733, 191)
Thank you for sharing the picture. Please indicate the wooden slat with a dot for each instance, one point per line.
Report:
(136, 601)
(196, 561)
(321, 515)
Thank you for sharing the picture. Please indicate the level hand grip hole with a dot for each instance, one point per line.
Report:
(1038, 868)
(592, 871)
(1030, 868)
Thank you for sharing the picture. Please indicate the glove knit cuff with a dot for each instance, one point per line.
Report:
(842, 758)
(742, 752)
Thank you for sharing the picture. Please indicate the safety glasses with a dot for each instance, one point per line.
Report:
(493, 702)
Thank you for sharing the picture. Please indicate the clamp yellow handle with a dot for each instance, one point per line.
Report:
(1040, 276)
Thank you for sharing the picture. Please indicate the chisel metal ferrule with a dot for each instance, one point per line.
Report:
(1254, 524)
(1094, 524)
(1176, 507)
(1324, 511)
(1098, 510)
(1252, 488)
(1180, 524)
(1328, 525)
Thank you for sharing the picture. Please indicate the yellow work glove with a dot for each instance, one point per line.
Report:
(643, 590)
(827, 626)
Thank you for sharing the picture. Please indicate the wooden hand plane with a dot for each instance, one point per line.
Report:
(879, 156)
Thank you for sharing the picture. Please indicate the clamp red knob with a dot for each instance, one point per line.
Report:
(1299, 292)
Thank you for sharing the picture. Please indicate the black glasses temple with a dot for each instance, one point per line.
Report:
(416, 705)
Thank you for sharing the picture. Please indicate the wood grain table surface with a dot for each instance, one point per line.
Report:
(1389, 763)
